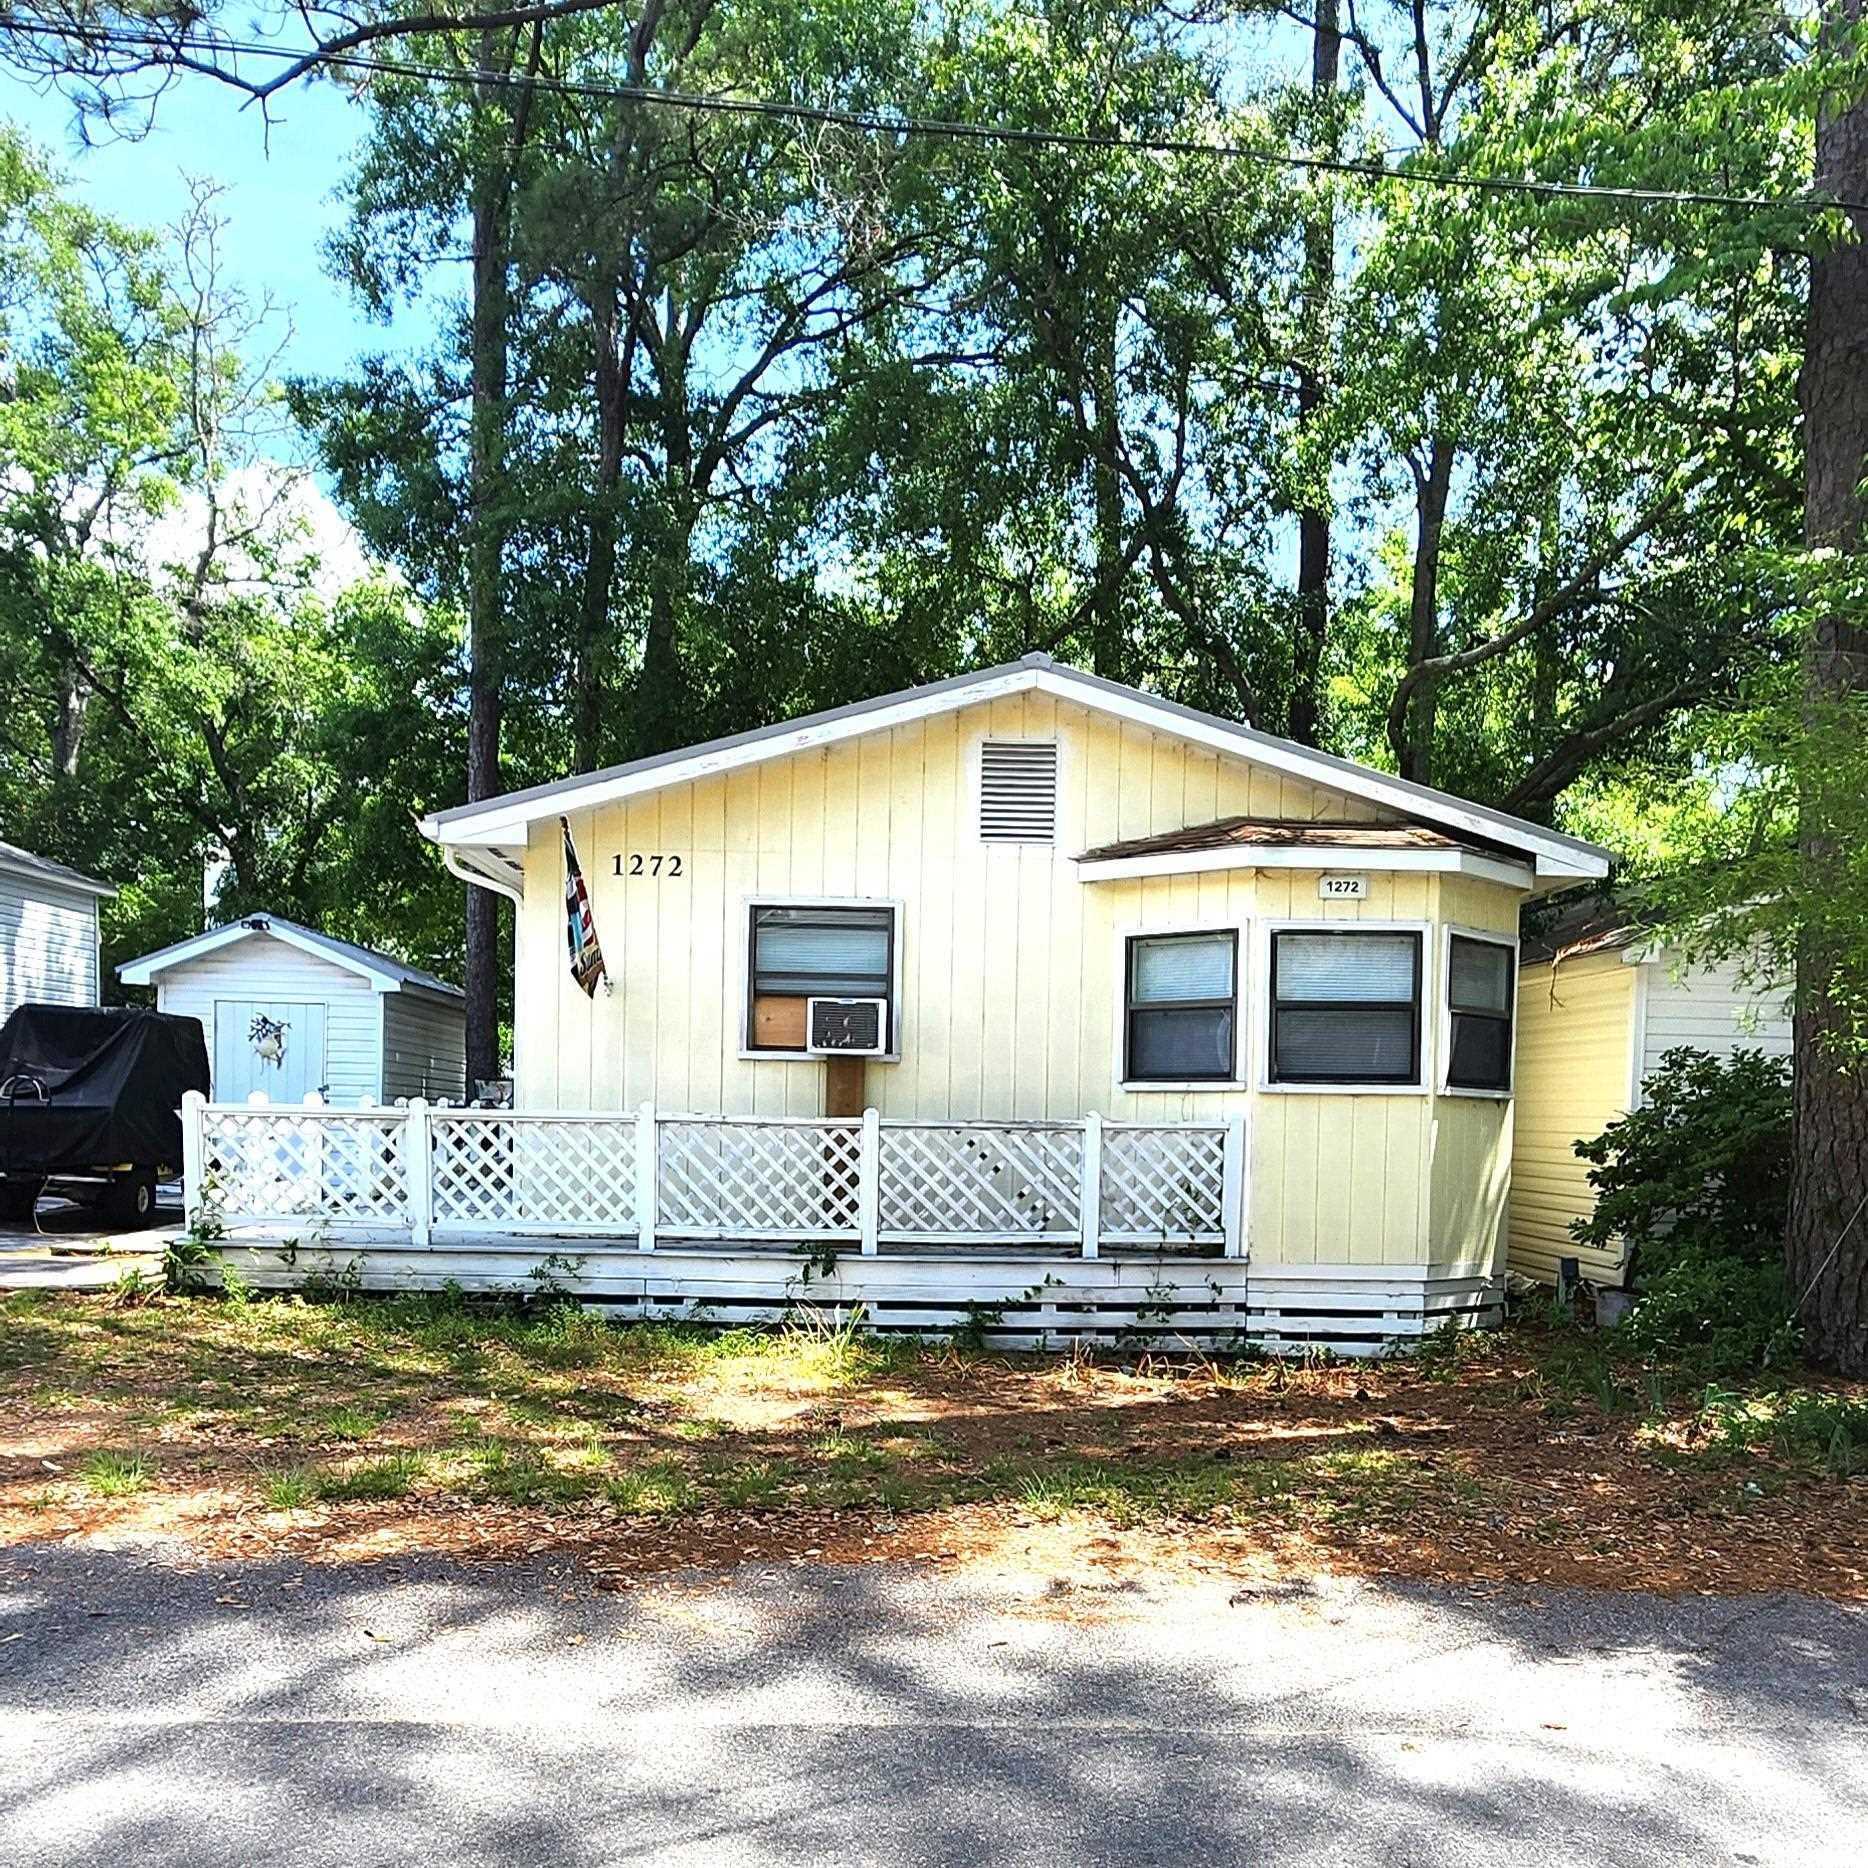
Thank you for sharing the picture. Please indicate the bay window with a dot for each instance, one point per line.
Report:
(1180, 1012)
(1480, 993)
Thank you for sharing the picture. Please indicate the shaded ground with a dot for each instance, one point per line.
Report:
(1018, 1709)
(68, 1247)
(332, 1432)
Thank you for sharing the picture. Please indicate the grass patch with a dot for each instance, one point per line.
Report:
(350, 1422)
(286, 1488)
(114, 1475)
(660, 1489)
(394, 1475)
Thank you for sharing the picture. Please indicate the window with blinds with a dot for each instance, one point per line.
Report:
(801, 953)
(1480, 991)
(1018, 791)
(1181, 1015)
(1345, 1007)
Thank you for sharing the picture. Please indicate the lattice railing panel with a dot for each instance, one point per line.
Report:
(266, 1163)
(985, 1180)
(505, 1170)
(1164, 1186)
(753, 1178)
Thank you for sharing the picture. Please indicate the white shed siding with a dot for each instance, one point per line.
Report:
(424, 1047)
(1709, 1008)
(48, 944)
(262, 968)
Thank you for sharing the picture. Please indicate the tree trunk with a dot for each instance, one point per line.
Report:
(593, 620)
(1313, 517)
(661, 712)
(486, 550)
(1826, 1241)
(1108, 649)
(1415, 752)
(73, 703)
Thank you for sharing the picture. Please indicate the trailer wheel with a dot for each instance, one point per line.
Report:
(19, 1196)
(132, 1200)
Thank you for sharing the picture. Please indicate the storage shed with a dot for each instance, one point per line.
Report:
(48, 931)
(1600, 1001)
(288, 1011)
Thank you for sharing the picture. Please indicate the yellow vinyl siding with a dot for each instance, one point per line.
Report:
(1576, 1029)
(1011, 968)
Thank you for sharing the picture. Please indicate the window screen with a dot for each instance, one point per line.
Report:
(814, 953)
(1181, 1008)
(1345, 1007)
(1479, 996)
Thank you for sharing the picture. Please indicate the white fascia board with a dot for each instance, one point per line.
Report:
(495, 830)
(1555, 856)
(143, 972)
(73, 884)
(1201, 862)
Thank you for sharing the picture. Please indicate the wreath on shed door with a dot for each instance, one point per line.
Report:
(267, 1036)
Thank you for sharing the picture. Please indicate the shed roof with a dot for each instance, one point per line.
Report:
(386, 973)
(17, 862)
(501, 824)
(1582, 922)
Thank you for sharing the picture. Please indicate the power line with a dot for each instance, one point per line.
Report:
(904, 124)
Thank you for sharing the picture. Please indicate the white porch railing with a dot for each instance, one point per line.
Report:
(867, 1183)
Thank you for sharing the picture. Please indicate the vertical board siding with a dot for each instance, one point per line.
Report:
(424, 1047)
(1010, 967)
(1576, 1030)
(262, 968)
(48, 944)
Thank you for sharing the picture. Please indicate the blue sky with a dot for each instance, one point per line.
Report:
(279, 201)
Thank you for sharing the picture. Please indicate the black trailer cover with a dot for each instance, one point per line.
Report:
(95, 1087)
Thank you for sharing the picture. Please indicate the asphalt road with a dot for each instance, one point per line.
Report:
(438, 1714)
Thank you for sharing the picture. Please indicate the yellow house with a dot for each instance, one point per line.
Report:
(1023, 992)
(1600, 1002)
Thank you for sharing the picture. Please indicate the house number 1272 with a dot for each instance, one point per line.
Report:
(637, 864)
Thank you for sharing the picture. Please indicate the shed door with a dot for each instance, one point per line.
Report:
(239, 1066)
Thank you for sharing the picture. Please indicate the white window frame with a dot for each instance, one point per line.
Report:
(1493, 938)
(976, 772)
(897, 1013)
(1263, 1081)
(1240, 930)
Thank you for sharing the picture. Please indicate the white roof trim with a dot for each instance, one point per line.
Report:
(51, 875)
(1329, 858)
(143, 971)
(504, 823)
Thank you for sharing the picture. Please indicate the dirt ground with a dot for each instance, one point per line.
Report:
(354, 1432)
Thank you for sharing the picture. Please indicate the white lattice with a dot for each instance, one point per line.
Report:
(1164, 1186)
(497, 1169)
(992, 1181)
(721, 1179)
(334, 1168)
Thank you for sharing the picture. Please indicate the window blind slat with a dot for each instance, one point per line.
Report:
(1345, 967)
(1167, 970)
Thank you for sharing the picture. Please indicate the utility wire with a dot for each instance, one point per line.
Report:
(903, 124)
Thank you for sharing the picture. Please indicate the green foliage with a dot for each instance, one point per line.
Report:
(1701, 1169)
(1696, 1183)
(110, 1474)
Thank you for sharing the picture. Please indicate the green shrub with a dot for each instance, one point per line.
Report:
(1701, 1171)
(1696, 1183)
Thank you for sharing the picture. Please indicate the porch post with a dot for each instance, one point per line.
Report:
(1090, 1185)
(193, 1154)
(1232, 1194)
(646, 1170)
(418, 1165)
(869, 1182)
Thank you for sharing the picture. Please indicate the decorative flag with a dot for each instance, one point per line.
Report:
(579, 928)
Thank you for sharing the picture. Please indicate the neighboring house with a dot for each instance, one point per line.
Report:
(1159, 1020)
(48, 931)
(288, 1012)
(1600, 1001)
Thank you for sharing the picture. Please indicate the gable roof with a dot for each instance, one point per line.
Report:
(17, 862)
(502, 823)
(383, 972)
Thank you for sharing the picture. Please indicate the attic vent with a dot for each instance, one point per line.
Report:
(1018, 791)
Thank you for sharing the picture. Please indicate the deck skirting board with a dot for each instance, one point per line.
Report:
(1011, 1299)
